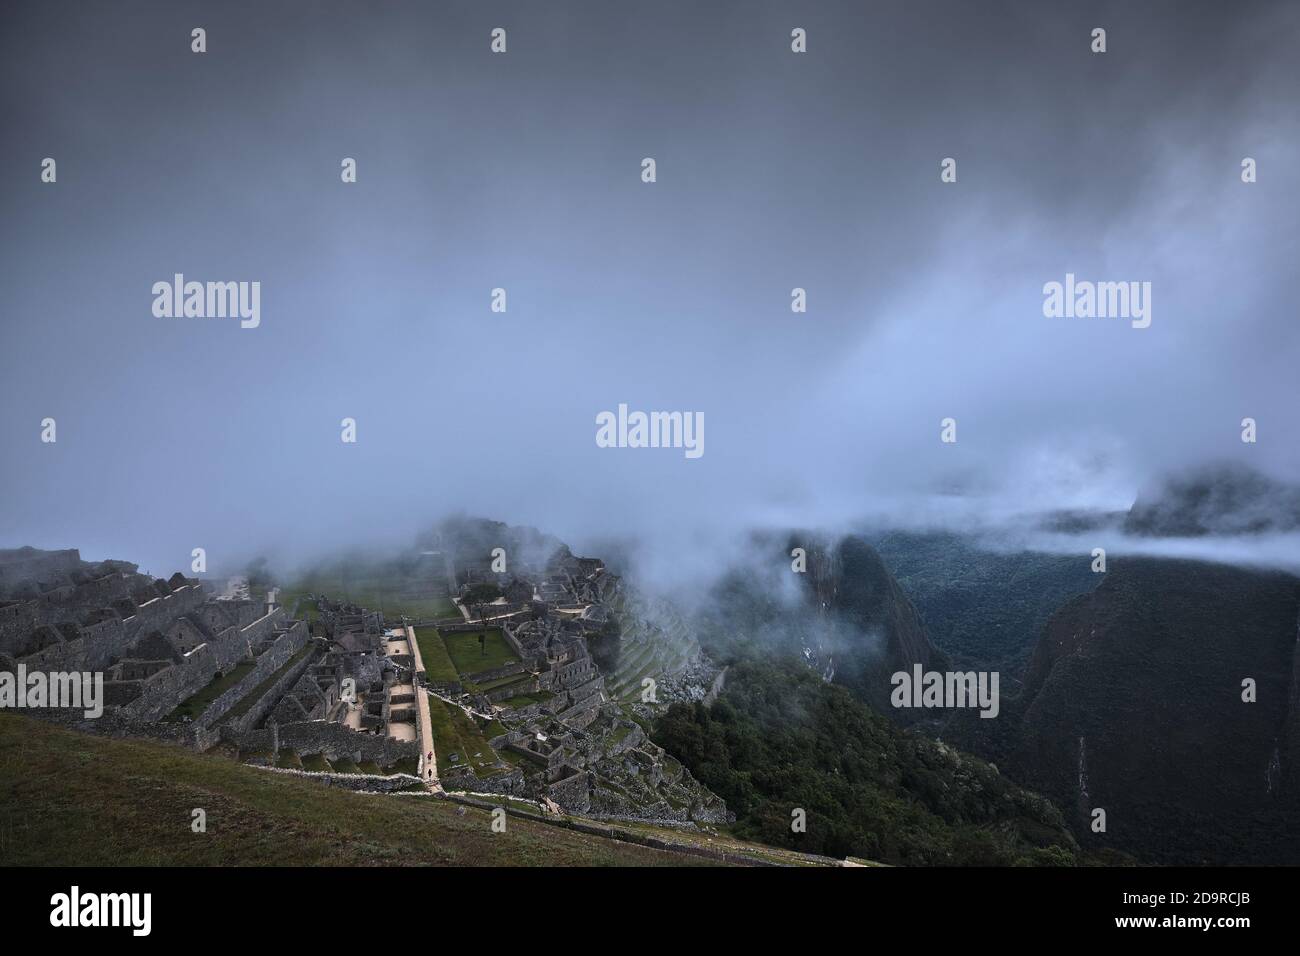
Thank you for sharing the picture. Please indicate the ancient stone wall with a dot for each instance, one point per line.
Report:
(289, 643)
(155, 615)
(513, 690)
(509, 784)
(572, 793)
(162, 692)
(532, 710)
(266, 703)
(630, 742)
(98, 647)
(337, 741)
(17, 621)
(508, 670)
(263, 625)
(261, 740)
(579, 715)
(352, 781)
(99, 592)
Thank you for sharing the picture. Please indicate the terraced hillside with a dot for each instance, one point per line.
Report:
(654, 642)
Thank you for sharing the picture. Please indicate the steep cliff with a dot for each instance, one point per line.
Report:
(843, 614)
(879, 631)
(1133, 703)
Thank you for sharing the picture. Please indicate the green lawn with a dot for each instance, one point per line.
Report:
(197, 704)
(393, 605)
(307, 610)
(516, 759)
(470, 658)
(68, 799)
(375, 593)
(446, 741)
(455, 732)
(472, 739)
(433, 652)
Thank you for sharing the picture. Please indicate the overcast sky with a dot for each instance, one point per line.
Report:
(523, 171)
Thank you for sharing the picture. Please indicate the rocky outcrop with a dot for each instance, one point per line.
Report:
(1223, 499)
(877, 631)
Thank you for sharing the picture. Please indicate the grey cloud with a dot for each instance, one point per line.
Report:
(521, 171)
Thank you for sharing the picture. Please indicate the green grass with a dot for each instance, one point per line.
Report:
(307, 610)
(433, 653)
(374, 593)
(446, 741)
(288, 760)
(455, 732)
(441, 608)
(71, 799)
(470, 658)
(515, 804)
(315, 763)
(632, 715)
(516, 759)
(472, 739)
(197, 704)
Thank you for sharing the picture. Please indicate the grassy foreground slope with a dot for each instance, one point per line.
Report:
(68, 798)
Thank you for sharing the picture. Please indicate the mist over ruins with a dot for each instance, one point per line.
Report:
(362, 552)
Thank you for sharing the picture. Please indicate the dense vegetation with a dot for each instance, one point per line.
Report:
(984, 609)
(484, 593)
(779, 738)
(1141, 681)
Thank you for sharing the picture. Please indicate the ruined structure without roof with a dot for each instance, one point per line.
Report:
(347, 695)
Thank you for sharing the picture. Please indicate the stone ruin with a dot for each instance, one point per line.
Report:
(181, 663)
(216, 671)
(569, 743)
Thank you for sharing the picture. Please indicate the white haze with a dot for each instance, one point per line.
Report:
(775, 171)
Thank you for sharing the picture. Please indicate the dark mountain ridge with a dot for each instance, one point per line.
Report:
(1133, 703)
(844, 614)
(1219, 499)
